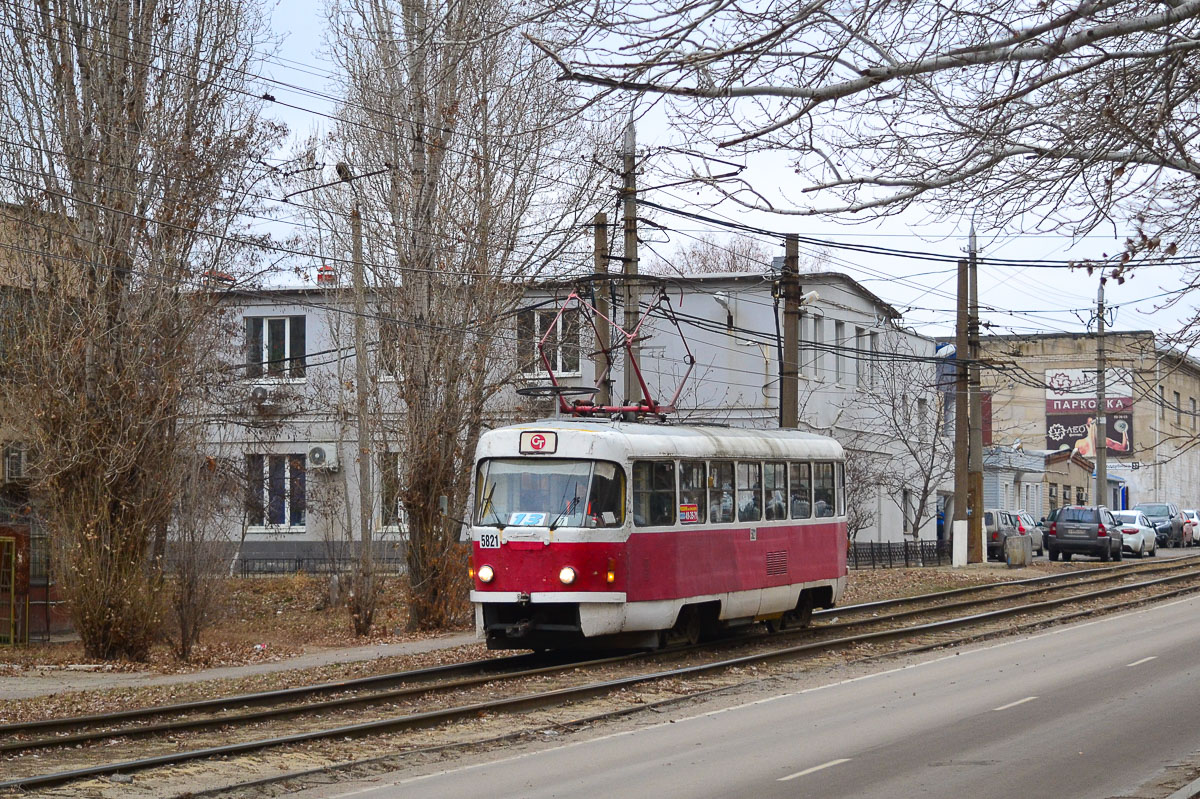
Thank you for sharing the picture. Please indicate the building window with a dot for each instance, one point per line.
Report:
(1162, 402)
(839, 351)
(803, 352)
(906, 510)
(275, 490)
(818, 343)
(860, 355)
(1178, 409)
(559, 334)
(275, 347)
(873, 362)
(1192, 410)
(392, 513)
(1053, 497)
(1080, 496)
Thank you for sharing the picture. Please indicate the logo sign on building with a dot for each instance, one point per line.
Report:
(1074, 390)
(1078, 432)
(538, 443)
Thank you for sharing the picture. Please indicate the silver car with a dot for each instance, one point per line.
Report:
(1137, 532)
(1027, 526)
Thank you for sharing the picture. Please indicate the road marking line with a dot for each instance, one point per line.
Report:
(1014, 704)
(1140, 662)
(814, 768)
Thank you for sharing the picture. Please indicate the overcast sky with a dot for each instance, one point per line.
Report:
(1028, 299)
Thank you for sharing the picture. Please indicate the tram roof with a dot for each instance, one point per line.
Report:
(603, 437)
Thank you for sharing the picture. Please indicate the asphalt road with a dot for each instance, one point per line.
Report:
(1091, 710)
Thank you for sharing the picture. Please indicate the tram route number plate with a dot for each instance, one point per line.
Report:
(489, 540)
(535, 442)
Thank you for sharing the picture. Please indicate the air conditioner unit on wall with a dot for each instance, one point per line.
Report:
(322, 456)
(14, 463)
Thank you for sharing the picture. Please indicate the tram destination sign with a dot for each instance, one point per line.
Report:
(538, 442)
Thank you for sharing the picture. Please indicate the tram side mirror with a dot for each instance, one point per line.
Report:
(444, 505)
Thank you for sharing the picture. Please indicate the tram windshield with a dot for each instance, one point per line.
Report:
(549, 493)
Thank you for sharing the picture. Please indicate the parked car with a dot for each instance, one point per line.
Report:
(997, 526)
(1193, 516)
(1167, 521)
(1084, 530)
(1027, 526)
(1138, 532)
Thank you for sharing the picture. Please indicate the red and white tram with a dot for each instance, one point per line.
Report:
(596, 532)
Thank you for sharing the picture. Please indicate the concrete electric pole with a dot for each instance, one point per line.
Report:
(1102, 497)
(975, 477)
(789, 383)
(600, 266)
(633, 392)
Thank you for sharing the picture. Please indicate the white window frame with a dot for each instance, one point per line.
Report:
(391, 461)
(536, 368)
(289, 359)
(839, 344)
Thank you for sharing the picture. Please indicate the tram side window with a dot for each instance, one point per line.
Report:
(823, 493)
(841, 489)
(749, 491)
(801, 490)
(653, 493)
(720, 491)
(606, 501)
(692, 492)
(776, 486)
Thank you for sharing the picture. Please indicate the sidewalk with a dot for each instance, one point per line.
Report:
(46, 681)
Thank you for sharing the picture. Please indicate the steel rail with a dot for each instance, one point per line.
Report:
(486, 665)
(266, 697)
(558, 696)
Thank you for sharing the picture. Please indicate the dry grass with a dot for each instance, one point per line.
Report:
(261, 619)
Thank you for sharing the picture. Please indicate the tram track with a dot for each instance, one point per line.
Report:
(554, 694)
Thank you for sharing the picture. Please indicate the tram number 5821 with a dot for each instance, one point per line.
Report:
(489, 540)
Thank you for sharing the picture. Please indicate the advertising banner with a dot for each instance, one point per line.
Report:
(1073, 391)
(1078, 432)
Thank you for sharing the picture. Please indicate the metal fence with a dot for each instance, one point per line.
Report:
(270, 567)
(873, 555)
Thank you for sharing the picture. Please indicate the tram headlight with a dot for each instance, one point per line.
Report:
(566, 575)
(486, 573)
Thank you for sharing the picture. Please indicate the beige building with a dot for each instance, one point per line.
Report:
(1043, 394)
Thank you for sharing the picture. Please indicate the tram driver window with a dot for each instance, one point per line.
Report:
(823, 493)
(693, 502)
(606, 502)
(776, 487)
(749, 491)
(801, 490)
(720, 491)
(653, 493)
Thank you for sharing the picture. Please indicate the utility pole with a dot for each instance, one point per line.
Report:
(1102, 497)
(366, 505)
(789, 383)
(962, 433)
(975, 476)
(633, 392)
(600, 267)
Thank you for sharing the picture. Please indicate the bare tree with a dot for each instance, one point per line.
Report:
(477, 172)
(130, 144)
(710, 254)
(1082, 113)
(900, 417)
